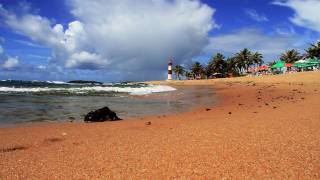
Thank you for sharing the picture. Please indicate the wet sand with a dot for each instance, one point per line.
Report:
(261, 127)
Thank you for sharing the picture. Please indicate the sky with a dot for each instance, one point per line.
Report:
(113, 40)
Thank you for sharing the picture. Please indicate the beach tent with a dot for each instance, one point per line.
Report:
(313, 61)
(301, 63)
(306, 62)
(278, 64)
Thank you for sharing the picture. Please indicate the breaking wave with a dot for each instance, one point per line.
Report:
(58, 87)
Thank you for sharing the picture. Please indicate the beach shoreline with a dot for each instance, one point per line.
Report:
(261, 127)
(183, 98)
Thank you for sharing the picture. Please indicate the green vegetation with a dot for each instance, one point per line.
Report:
(196, 70)
(239, 64)
(290, 56)
(314, 50)
(217, 65)
(178, 70)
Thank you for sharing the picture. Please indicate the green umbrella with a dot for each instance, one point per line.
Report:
(313, 61)
(307, 62)
(278, 64)
(300, 65)
(301, 61)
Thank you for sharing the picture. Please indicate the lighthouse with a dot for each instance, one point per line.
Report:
(170, 69)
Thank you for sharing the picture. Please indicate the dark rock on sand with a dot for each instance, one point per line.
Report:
(148, 123)
(10, 149)
(101, 115)
(208, 109)
(71, 119)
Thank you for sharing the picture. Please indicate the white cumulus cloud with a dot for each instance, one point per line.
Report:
(307, 12)
(10, 63)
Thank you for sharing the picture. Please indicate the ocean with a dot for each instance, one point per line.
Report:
(55, 101)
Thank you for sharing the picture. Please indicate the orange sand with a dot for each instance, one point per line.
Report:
(262, 127)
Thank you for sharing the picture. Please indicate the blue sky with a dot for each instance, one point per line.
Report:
(131, 40)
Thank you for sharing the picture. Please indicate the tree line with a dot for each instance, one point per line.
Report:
(220, 66)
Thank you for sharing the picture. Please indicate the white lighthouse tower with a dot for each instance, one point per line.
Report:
(170, 69)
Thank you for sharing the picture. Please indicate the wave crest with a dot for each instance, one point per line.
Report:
(143, 90)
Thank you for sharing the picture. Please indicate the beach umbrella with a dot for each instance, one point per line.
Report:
(313, 61)
(278, 64)
(301, 61)
(288, 65)
(307, 62)
(263, 68)
(252, 69)
(301, 65)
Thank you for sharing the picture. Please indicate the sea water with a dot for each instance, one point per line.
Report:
(38, 101)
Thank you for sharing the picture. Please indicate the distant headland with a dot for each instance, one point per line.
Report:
(84, 82)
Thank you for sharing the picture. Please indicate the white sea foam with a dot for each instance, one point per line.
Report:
(56, 82)
(82, 90)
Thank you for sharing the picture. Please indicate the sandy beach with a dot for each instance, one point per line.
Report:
(260, 128)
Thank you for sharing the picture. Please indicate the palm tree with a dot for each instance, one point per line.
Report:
(218, 64)
(314, 50)
(290, 56)
(178, 70)
(207, 71)
(244, 59)
(231, 66)
(188, 74)
(196, 69)
(257, 59)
